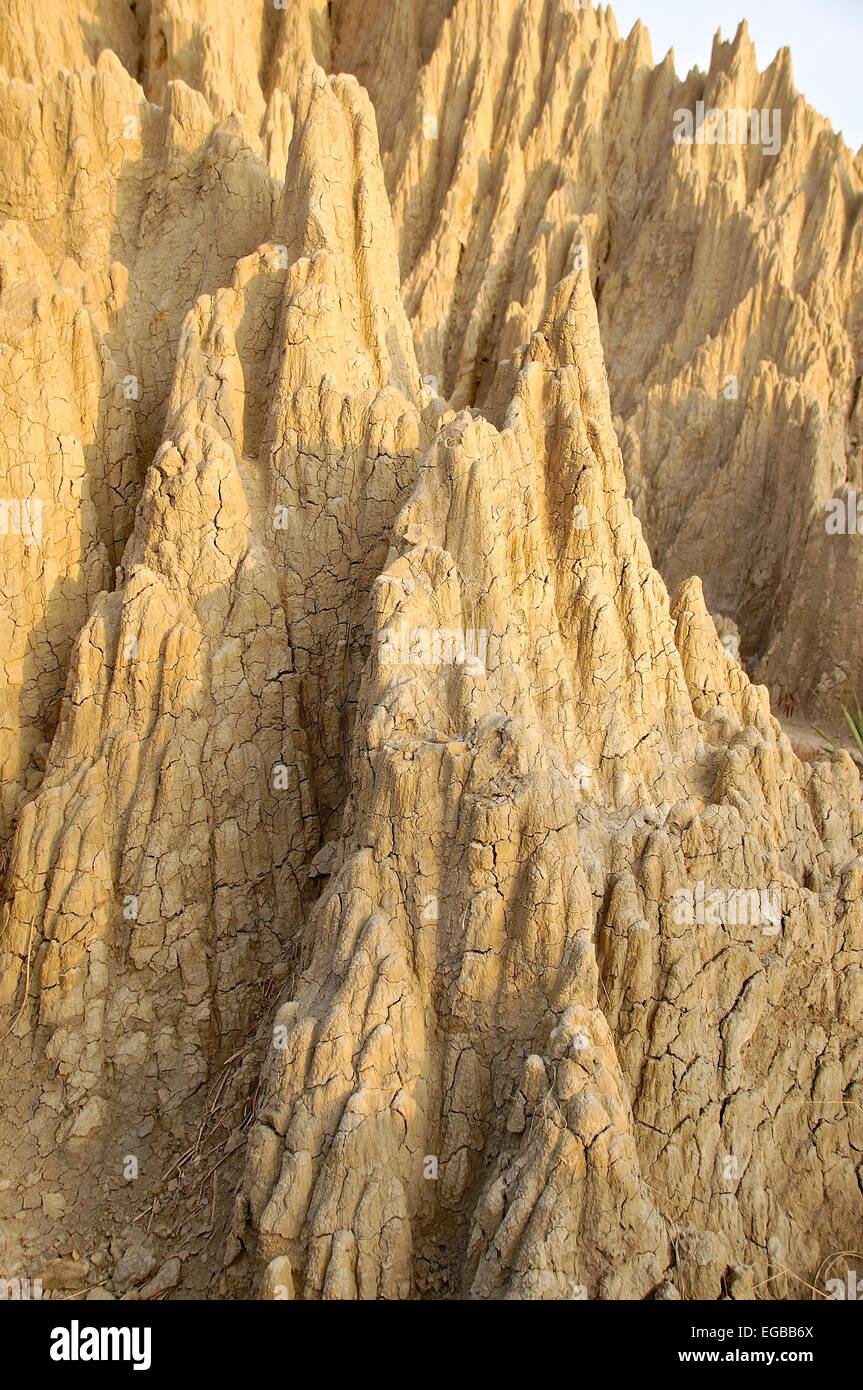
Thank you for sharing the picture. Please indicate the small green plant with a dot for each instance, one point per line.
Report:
(854, 719)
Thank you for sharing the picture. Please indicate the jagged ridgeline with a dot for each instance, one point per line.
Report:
(402, 897)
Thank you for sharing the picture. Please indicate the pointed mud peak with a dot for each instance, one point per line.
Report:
(198, 766)
(547, 562)
(733, 56)
(304, 32)
(639, 44)
(568, 350)
(107, 195)
(37, 41)
(334, 213)
(780, 76)
(511, 866)
(60, 478)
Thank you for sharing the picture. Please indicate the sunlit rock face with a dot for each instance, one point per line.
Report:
(391, 868)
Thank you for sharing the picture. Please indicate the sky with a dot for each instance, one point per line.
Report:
(825, 38)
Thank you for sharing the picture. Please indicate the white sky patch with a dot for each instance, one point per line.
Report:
(826, 42)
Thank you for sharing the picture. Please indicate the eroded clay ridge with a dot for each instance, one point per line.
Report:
(520, 141)
(116, 216)
(515, 1064)
(523, 139)
(158, 878)
(388, 761)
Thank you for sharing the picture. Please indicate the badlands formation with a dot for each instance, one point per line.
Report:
(404, 893)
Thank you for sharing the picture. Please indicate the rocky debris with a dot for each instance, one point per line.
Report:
(65, 1274)
(666, 1293)
(163, 1281)
(134, 1266)
(741, 1283)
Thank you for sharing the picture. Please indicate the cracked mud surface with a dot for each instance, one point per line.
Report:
(355, 757)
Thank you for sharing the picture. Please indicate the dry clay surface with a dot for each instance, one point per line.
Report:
(521, 141)
(342, 951)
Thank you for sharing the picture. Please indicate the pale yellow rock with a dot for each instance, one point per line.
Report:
(101, 254)
(199, 759)
(523, 138)
(604, 754)
(384, 761)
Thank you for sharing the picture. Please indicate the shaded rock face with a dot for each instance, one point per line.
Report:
(397, 843)
(117, 216)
